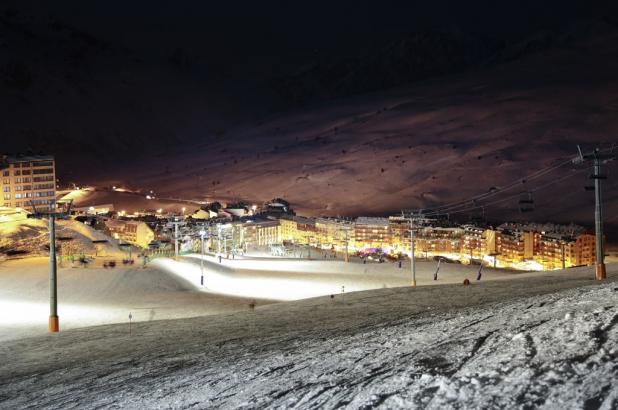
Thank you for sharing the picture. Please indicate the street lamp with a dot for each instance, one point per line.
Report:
(202, 234)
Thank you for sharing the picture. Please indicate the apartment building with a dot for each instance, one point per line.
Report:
(28, 182)
(511, 247)
(558, 251)
(334, 233)
(254, 233)
(372, 233)
(473, 243)
(400, 234)
(134, 232)
(437, 240)
(298, 229)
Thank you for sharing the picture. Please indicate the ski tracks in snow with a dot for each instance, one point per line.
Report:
(551, 351)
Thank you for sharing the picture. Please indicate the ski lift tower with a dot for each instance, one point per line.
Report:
(597, 157)
(412, 247)
(54, 321)
(176, 223)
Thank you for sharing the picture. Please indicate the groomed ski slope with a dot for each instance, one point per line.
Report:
(542, 342)
(168, 289)
(97, 296)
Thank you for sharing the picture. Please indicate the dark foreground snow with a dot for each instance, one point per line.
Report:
(546, 342)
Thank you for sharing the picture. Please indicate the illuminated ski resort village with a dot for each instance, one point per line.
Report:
(309, 205)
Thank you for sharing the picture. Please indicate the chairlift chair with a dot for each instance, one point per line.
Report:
(526, 202)
(602, 175)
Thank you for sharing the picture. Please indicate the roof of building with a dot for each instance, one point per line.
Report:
(367, 220)
(334, 221)
(303, 220)
(11, 159)
(544, 228)
(120, 223)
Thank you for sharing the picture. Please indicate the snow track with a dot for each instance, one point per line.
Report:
(533, 343)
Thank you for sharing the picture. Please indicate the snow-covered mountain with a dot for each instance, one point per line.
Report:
(425, 144)
(410, 58)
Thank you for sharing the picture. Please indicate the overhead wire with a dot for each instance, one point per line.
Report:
(535, 175)
(508, 198)
(473, 202)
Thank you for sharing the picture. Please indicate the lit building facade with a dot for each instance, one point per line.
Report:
(510, 247)
(439, 240)
(298, 229)
(28, 182)
(134, 232)
(334, 233)
(251, 234)
(372, 233)
(400, 234)
(473, 244)
(558, 251)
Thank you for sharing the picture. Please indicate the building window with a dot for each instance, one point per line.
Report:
(43, 171)
(6, 189)
(7, 196)
(5, 173)
(43, 178)
(43, 164)
(44, 186)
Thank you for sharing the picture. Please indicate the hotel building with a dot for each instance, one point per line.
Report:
(28, 182)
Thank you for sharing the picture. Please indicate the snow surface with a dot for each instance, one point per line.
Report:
(293, 279)
(168, 289)
(546, 342)
(32, 236)
(96, 296)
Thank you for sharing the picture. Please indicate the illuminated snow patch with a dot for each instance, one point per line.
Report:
(259, 286)
(16, 312)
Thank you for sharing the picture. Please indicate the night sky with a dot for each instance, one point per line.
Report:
(238, 48)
